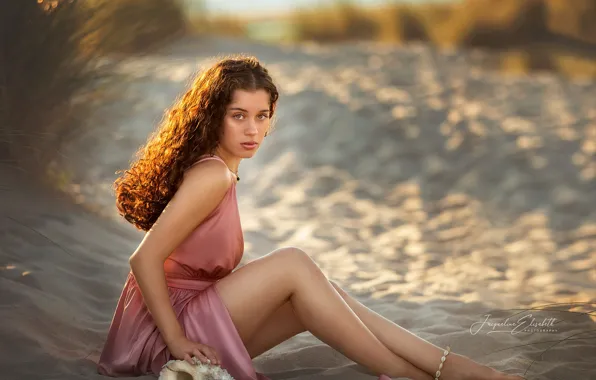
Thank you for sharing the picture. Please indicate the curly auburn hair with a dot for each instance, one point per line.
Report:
(191, 128)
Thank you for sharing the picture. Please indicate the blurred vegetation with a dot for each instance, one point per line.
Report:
(343, 21)
(529, 34)
(51, 67)
(131, 26)
(41, 70)
(487, 23)
(221, 25)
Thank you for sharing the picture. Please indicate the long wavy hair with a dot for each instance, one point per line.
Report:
(191, 128)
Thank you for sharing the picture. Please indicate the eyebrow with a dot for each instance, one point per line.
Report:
(242, 109)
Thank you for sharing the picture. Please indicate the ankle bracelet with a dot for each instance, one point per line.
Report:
(443, 358)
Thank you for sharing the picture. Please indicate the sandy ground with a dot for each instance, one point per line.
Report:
(440, 195)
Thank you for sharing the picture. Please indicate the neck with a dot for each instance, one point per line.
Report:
(231, 161)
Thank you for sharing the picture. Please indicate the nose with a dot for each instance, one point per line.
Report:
(252, 129)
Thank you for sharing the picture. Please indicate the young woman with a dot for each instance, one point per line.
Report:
(182, 298)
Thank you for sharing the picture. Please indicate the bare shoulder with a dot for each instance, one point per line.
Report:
(202, 189)
(205, 182)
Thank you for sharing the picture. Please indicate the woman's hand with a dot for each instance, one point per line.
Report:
(184, 349)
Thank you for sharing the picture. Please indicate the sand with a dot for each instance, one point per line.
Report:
(437, 193)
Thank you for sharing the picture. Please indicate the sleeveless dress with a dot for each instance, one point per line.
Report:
(134, 345)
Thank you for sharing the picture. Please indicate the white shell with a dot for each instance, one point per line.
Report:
(181, 369)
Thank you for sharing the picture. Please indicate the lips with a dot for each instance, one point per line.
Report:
(251, 144)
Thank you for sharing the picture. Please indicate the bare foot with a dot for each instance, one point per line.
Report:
(464, 368)
(503, 376)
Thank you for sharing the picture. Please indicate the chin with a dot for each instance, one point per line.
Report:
(246, 154)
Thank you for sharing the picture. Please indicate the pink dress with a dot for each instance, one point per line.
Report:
(134, 345)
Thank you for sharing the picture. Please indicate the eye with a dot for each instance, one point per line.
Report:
(236, 116)
(264, 116)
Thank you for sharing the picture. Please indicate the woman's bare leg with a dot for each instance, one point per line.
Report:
(416, 350)
(284, 324)
(280, 326)
(256, 290)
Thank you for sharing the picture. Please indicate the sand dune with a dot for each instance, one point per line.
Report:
(440, 195)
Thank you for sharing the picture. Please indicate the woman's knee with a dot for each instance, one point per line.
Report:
(291, 253)
(294, 258)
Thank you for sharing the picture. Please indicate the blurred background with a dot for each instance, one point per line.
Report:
(436, 158)
(72, 41)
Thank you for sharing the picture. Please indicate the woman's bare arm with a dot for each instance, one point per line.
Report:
(199, 194)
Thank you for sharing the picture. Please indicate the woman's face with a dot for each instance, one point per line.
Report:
(245, 123)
